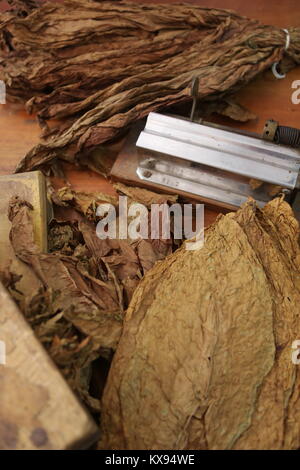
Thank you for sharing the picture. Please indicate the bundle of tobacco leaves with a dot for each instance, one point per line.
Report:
(205, 358)
(99, 66)
(86, 283)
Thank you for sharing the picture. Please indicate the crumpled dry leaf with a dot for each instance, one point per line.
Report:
(86, 285)
(74, 319)
(144, 196)
(227, 107)
(84, 203)
(204, 361)
(100, 66)
(130, 259)
(255, 184)
(24, 7)
(9, 279)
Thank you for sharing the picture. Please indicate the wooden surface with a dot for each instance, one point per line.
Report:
(38, 410)
(30, 187)
(266, 96)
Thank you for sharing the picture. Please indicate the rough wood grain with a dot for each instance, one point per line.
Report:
(37, 408)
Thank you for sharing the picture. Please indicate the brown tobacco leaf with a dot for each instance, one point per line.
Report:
(84, 203)
(204, 361)
(91, 314)
(119, 259)
(100, 66)
(77, 316)
(23, 7)
(144, 196)
(86, 285)
(226, 107)
(130, 259)
(272, 189)
(102, 158)
(254, 184)
(62, 237)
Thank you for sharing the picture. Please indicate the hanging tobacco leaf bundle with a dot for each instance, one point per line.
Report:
(99, 66)
(205, 358)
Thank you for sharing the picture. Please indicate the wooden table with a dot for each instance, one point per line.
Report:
(265, 96)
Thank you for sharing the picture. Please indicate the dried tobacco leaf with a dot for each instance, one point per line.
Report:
(62, 237)
(130, 258)
(204, 361)
(74, 320)
(99, 66)
(86, 285)
(23, 7)
(84, 203)
(144, 196)
(91, 314)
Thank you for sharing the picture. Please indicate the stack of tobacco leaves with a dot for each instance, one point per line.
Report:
(86, 284)
(99, 66)
(191, 352)
(205, 357)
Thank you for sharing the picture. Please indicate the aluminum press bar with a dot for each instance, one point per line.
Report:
(236, 153)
